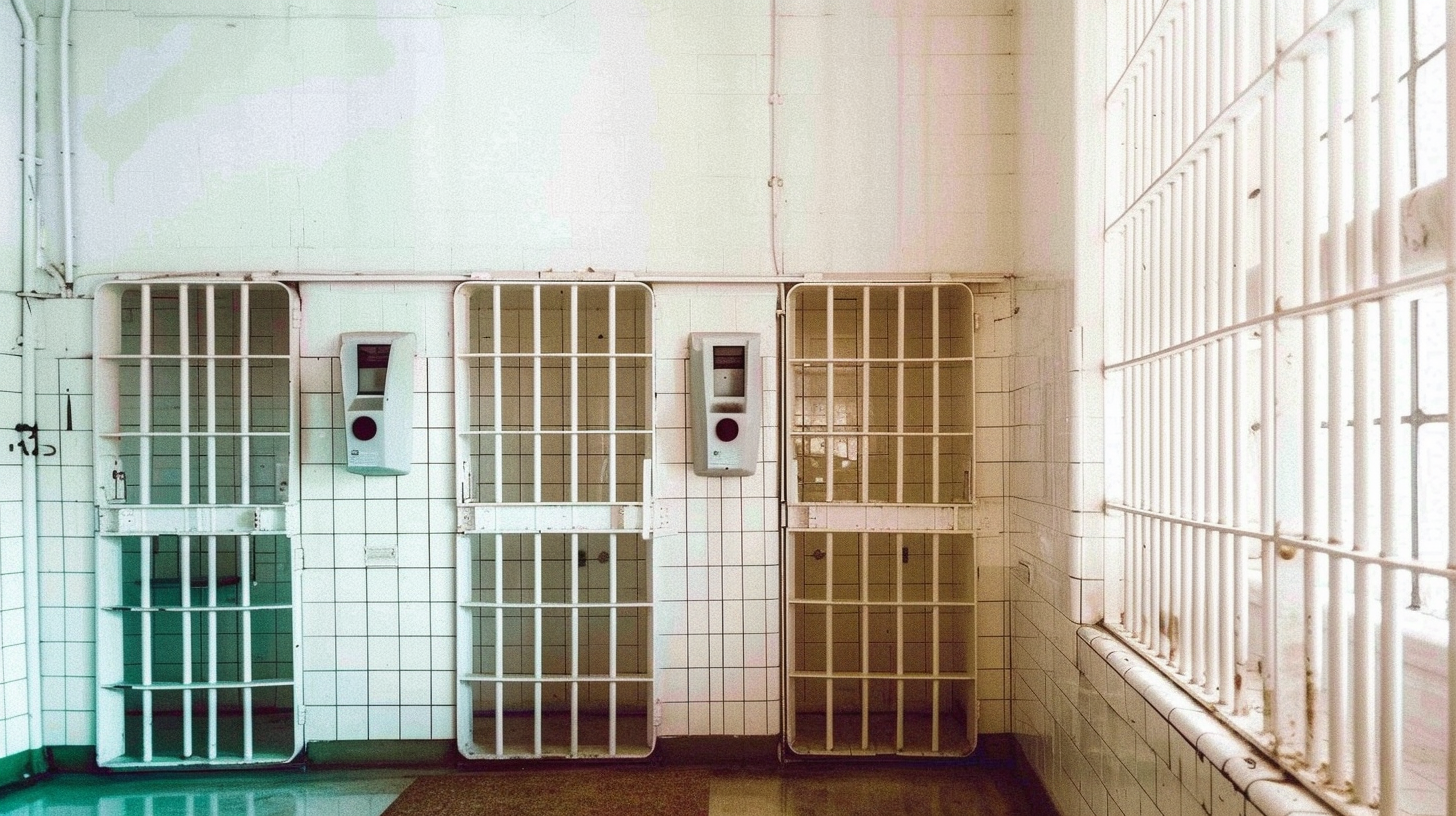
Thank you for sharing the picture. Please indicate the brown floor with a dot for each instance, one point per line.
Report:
(874, 790)
(829, 788)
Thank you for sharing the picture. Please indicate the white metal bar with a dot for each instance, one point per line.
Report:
(184, 468)
(537, 437)
(1314, 372)
(500, 625)
(146, 543)
(864, 397)
(1392, 652)
(612, 638)
(245, 646)
(829, 642)
(538, 664)
(829, 413)
(899, 643)
(900, 395)
(497, 392)
(1363, 704)
(1270, 266)
(864, 640)
(1450, 225)
(574, 392)
(1229, 414)
(1199, 483)
(212, 485)
(1335, 283)
(935, 398)
(612, 393)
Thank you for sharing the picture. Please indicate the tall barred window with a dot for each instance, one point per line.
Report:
(1278, 242)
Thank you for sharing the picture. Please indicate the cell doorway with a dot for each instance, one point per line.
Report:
(880, 571)
(554, 568)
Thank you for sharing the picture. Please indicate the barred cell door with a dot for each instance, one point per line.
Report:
(197, 628)
(553, 387)
(880, 570)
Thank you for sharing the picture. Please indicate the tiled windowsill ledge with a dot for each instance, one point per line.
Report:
(1160, 738)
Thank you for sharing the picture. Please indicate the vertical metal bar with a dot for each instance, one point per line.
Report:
(245, 495)
(144, 445)
(1450, 226)
(500, 600)
(864, 640)
(935, 623)
(613, 669)
(1336, 278)
(935, 397)
(1162, 393)
(574, 495)
(537, 493)
(1213, 419)
(1182, 233)
(900, 391)
(1392, 644)
(1363, 707)
(537, 438)
(1269, 268)
(1197, 478)
(245, 646)
(1315, 372)
(536, 617)
(1229, 348)
(1239, 281)
(212, 485)
(498, 408)
(899, 643)
(900, 416)
(184, 497)
(864, 396)
(829, 394)
(612, 394)
(863, 538)
(829, 641)
(574, 395)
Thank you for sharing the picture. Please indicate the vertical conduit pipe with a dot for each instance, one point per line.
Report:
(64, 103)
(29, 500)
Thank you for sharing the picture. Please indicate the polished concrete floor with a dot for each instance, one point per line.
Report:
(843, 790)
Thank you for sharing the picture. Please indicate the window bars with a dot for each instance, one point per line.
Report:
(1280, 346)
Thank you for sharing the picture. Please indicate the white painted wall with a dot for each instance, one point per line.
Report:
(485, 136)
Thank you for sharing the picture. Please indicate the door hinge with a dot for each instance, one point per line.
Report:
(298, 556)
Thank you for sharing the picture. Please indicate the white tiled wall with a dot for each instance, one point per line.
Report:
(67, 558)
(14, 705)
(717, 547)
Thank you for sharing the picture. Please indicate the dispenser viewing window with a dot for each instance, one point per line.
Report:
(727, 399)
(378, 374)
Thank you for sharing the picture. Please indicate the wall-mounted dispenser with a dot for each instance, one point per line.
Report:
(378, 369)
(726, 375)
